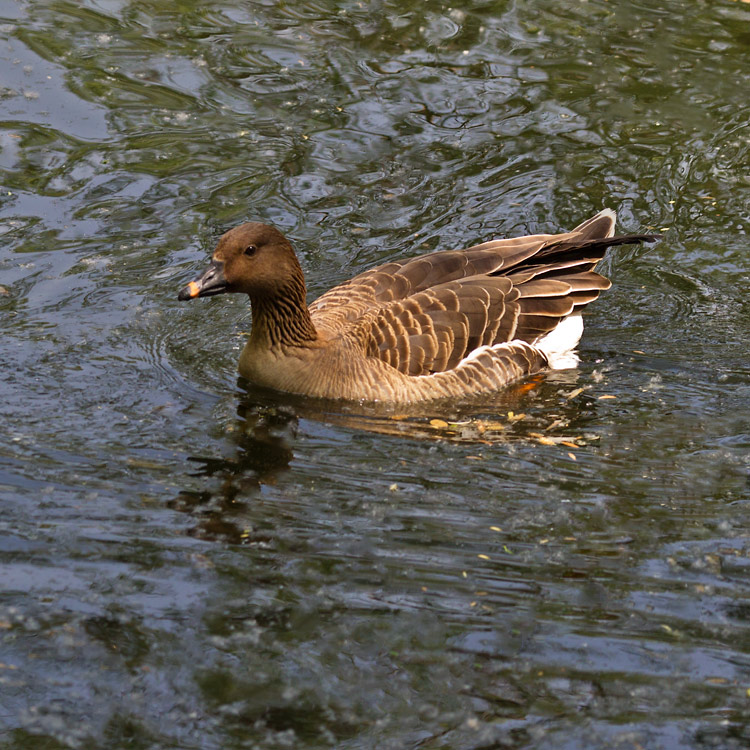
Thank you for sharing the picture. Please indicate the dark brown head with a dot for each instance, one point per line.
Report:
(254, 259)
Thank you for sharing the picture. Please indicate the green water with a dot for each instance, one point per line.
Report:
(186, 562)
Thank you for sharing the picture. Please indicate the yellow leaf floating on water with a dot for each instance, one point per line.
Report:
(545, 440)
(572, 456)
(515, 417)
(438, 424)
(492, 426)
(573, 394)
(601, 398)
(483, 557)
(556, 423)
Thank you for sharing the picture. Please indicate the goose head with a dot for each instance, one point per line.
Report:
(253, 259)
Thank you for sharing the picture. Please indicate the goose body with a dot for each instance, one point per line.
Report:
(446, 324)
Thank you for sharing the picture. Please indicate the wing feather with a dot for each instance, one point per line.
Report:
(427, 314)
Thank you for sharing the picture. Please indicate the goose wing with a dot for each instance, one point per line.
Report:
(426, 314)
(398, 280)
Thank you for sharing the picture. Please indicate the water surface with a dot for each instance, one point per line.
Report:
(188, 562)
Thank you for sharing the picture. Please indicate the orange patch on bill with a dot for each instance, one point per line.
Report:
(194, 289)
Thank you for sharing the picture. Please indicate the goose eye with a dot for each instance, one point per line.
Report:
(250, 250)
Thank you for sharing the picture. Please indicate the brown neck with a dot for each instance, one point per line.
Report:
(283, 319)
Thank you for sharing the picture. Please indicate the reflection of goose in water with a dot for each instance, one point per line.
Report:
(262, 438)
(259, 442)
(446, 324)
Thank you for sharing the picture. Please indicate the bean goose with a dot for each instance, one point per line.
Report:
(446, 324)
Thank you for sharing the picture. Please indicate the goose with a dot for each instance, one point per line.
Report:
(447, 324)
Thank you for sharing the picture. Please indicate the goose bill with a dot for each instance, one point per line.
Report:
(211, 281)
